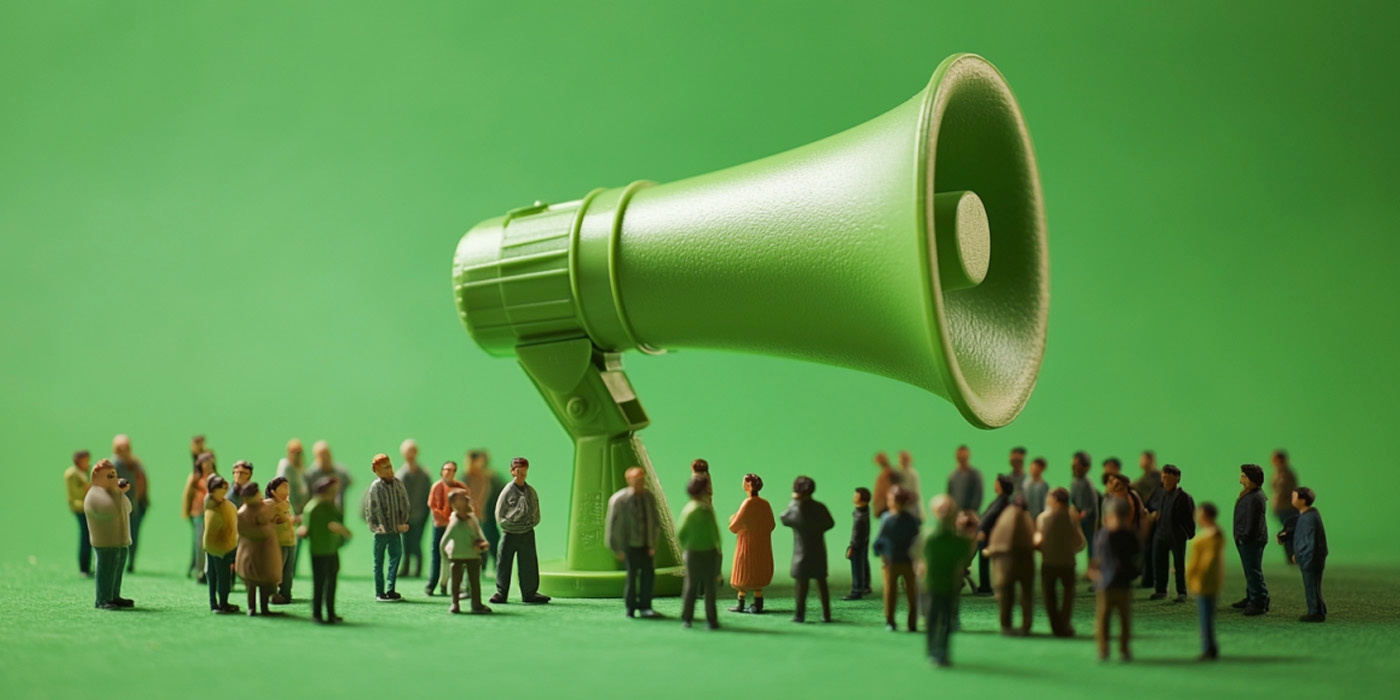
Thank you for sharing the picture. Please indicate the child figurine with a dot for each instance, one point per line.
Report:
(278, 499)
(258, 560)
(753, 553)
(386, 512)
(1310, 552)
(898, 530)
(1116, 548)
(324, 531)
(75, 479)
(220, 543)
(518, 512)
(108, 511)
(698, 535)
(858, 551)
(192, 509)
(809, 520)
(441, 510)
(462, 545)
(947, 554)
(1205, 575)
(1011, 548)
(1059, 539)
(631, 530)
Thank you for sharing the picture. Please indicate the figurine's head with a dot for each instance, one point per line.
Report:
(383, 467)
(1280, 458)
(409, 450)
(967, 523)
(944, 509)
(197, 444)
(862, 497)
(476, 460)
(1038, 466)
(1251, 476)
(1005, 486)
(218, 488)
(242, 472)
(1206, 513)
(278, 490)
(962, 456)
(104, 474)
(204, 464)
(448, 471)
(1303, 498)
(321, 450)
(1116, 484)
(1112, 466)
(1018, 458)
(1148, 461)
(1079, 464)
(906, 460)
(251, 495)
(697, 487)
(519, 469)
(637, 478)
(294, 452)
(803, 487)
(753, 484)
(700, 466)
(82, 459)
(121, 446)
(882, 460)
(1058, 499)
(1171, 476)
(461, 502)
(1115, 512)
(897, 498)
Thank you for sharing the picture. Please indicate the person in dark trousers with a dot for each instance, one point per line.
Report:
(1174, 525)
(809, 520)
(1309, 540)
(1148, 487)
(947, 553)
(858, 551)
(698, 536)
(1084, 498)
(898, 530)
(1011, 547)
(1251, 538)
(1059, 539)
(518, 512)
(1113, 570)
(1284, 483)
(76, 480)
(324, 530)
(632, 531)
(1004, 488)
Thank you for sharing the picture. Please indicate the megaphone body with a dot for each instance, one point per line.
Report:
(912, 246)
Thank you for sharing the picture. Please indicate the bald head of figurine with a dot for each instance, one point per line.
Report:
(461, 502)
(409, 450)
(121, 446)
(637, 479)
(321, 450)
(519, 469)
(104, 475)
(383, 467)
(294, 452)
(944, 509)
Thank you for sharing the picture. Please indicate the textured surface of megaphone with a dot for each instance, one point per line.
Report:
(912, 246)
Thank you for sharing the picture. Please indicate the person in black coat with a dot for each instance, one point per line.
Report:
(1174, 524)
(1309, 540)
(858, 551)
(809, 520)
(1251, 538)
(1005, 487)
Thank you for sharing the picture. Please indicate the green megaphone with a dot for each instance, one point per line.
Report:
(912, 246)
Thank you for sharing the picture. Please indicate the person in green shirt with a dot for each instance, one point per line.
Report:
(698, 535)
(324, 530)
(947, 554)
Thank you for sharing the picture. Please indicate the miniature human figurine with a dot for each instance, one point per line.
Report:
(1251, 537)
(76, 482)
(898, 530)
(909, 480)
(192, 509)
(1035, 488)
(197, 448)
(701, 468)
(441, 508)
(462, 545)
(753, 525)
(386, 512)
(485, 486)
(517, 513)
(1310, 550)
(418, 483)
(809, 520)
(947, 554)
(1118, 486)
(1148, 487)
(1017, 461)
(1284, 483)
(1059, 538)
(965, 483)
(278, 500)
(1205, 575)
(1084, 497)
(858, 551)
(969, 525)
(1011, 547)
(325, 467)
(259, 558)
(632, 529)
(1003, 488)
(1173, 526)
(1113, 570)
(883, 480)
(129, 467)
(698, 535)
(220, 543)
(1111, 466)
(242, 476)
(108, 511)
(324, 530)
(291, 469)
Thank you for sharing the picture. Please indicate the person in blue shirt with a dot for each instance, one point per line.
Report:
(898, 530)
(1309, 541)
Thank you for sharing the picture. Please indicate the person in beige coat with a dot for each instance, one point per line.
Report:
(259, 558)
(1011, 549)
(1059, 538)
(108, 512)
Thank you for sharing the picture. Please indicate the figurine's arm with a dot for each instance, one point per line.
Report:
(792, 517)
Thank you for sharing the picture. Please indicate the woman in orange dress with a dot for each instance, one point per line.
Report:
(753, 555)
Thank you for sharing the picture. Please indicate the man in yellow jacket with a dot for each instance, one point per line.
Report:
(1205, 575)
(75, 478)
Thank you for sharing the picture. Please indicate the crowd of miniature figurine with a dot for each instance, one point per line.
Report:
(1136, 530)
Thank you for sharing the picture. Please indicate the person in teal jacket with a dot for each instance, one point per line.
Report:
(698, 535)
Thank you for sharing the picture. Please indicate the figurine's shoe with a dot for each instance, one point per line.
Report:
(1313, 618)
(889, 627)
(454, 609)
(940, 663)
(685, 624)
(321, 620)
(84, 574)
(1252, 610)
(200, 579)
(393, 595)
(756, 608)
(1180, 598)
(1157, 596)
(536, 599)
(229, 610)
(108, 606)
(799, 619)
(827, 619)
(852, 596)
(1012, 632)
(498, 599)
(252, 612)
(279, 600)
(867, 591)
(740, 608)
(124, 602)
(1208, 656)
(1241, 605)
(631, 613)
(712, 625)
(428, 590)
(337, 618)
(1127, 657)
(483, 610)
(647, 613)
(444, 590)
(384, 598)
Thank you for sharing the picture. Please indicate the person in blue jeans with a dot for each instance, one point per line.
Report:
(858, 551)
(1251, 538)
(386, 513)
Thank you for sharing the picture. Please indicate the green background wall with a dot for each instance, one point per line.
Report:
(238, 220)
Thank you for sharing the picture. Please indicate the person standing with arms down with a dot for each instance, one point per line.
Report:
(632, 530)
(129, 468)
(809, 520)
(517, 513)
(1284, 483)
(485, 486)
(75, 479)
(386, 514)
(1251, 538)
(1173, 526)
(753, 554)
(698, 536)
(417, 482)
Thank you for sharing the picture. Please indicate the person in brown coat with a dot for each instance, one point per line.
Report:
(1011, 549)
(1059, 538)
(259, 558)
(753, 554)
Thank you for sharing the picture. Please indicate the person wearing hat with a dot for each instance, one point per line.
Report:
(108, 512)
(1251, 538)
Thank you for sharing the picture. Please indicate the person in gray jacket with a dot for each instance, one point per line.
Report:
(632, 530)
(517, 513)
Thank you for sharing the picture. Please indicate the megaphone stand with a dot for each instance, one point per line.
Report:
(594, 402)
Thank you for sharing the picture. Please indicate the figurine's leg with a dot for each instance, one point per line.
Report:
(252, 597)
(136, 516)
(1101, 635)
(1027, 602)
(712, 591)
(630, 584)
(264, 596)
(332, 578)
(474, 578)
(106, 559)
(458, 567)
(226, 576)
(1205, 607)
(1048, 577)
(1179, 561)
(435, 569)
(690, 588)
(503, 564)
(1317, 590)
(381, 542)
(395, 556)
(318, 586)
(123, 561)
(757, 601)
(529, 568)
(800, 614)
(1067, 577)
(825, 594)
(84, 546)
(888, 593)
(984, 574)
(647, 580)
(911, 596)
(1125, 615)
(1004, 589)
(211, 579)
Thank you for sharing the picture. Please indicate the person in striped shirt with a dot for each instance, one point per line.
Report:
(386, 513)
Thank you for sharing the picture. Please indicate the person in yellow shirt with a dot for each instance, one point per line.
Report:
(220, 544)
(76, 478)
(1205, 575)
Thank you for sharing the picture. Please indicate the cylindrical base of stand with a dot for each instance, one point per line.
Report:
(557, 580)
